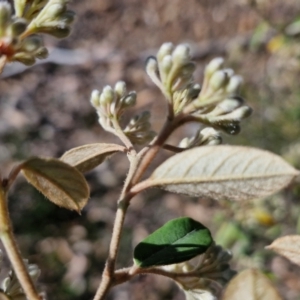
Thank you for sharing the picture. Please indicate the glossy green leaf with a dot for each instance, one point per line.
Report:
(61, 183)
(177, 241)
(88, 157)
(224, 172)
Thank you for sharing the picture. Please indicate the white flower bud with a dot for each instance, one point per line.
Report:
(181, 54)
(5, 15)
(166, 64)
(120, 88)
(214, 65)
(239, 114)
(107, 95)
(151, 65)
(218, 80)
(226, 106)
(54, 10)
(165, 49)
(229, 72)
(234, 84)
(95, 98)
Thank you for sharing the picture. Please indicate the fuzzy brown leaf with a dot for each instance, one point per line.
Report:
(88, 157)
(250, 285)
(224, 172)
(288, 246)
(61, 183)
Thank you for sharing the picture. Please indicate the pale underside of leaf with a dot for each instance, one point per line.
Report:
(59, 182)
(88, 157)
(250, 285)
(198, 294)
(224, 172)
(288, 246)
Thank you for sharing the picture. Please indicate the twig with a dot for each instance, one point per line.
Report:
(12, 250)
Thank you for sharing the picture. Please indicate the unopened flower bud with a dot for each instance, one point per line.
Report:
(181, 54)
(24, 58)
(32, 43)
(239, 114)
(151, 65)
(218, 80)
(18, 27)
(184, 143)
(5, 15)
(34, 271)
(234, 84)
(130, 99)
(165, 49)
(107, 95)
(166, 64)
(120, 88)
(52, 11)
(229, 72)
(68, 17)
(214, 65)
(95, 98)
(60, 31)
(210, 136)
(226, 106)
(41, 53)
(194, 91)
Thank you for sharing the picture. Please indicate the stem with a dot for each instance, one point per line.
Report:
(3, 60)
(122, 136)
(147, 154)
(108, 277)
(138, 165)
(12, 250)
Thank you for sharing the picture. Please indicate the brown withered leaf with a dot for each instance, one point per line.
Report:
(288, 246)
(61, 183)
(88, 157)
(250, 285)
(224, 172)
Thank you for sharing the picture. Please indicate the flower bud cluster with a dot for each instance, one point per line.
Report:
(139, 130)
(226, 115)
(172, 69)
(218, 103)
(111, 103)
(21, 26)
(203, 276)
(10, 285)
(206, 136)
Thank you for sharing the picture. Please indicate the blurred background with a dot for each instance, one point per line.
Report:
(45, 111)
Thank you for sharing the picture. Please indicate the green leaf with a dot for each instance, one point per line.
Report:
(177, 241)
(88, 157)
(250, 285)
(224, 172)
(61, 183)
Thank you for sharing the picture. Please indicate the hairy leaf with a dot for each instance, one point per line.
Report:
(88, 157)
(218, 172)
(288, 246)
(250, 285)
(61, 183)
(177, 241)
